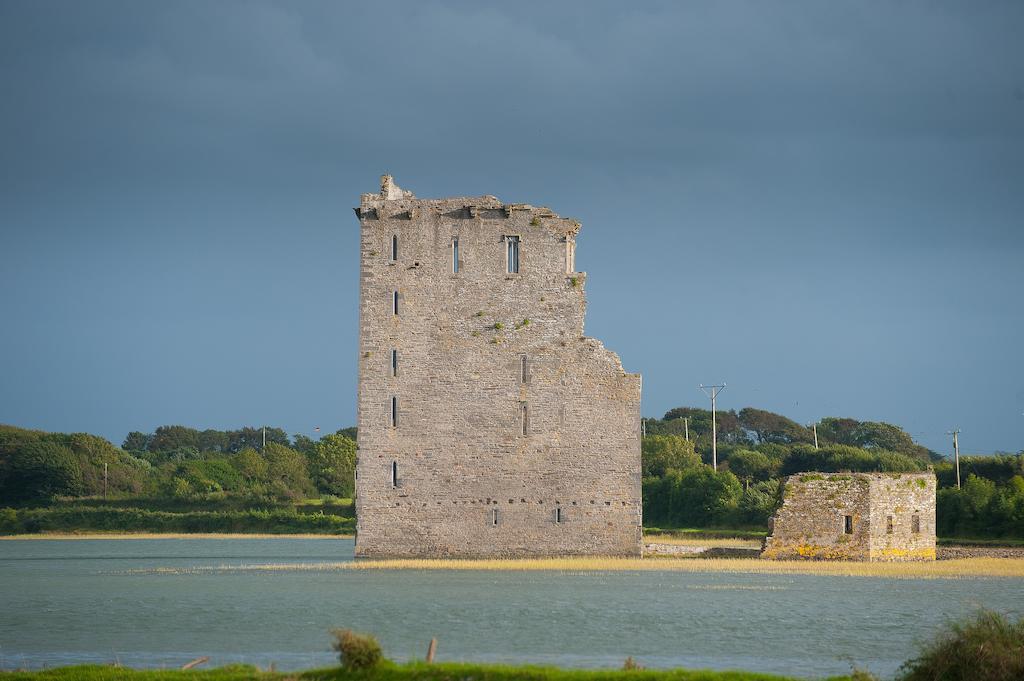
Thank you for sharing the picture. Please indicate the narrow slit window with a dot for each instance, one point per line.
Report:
(494, 516)
(394, 362)
(512, 243)
(455, 255)
(394, 412)
(394, 247)
(524, 370)
(915, 524)
(888, 524)
(848, 524)
(525, 418)
(394, 474)
(394, 303)
(558, 514)
(570, 256)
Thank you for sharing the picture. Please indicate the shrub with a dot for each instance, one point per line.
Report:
(355, 650)
(987, 647)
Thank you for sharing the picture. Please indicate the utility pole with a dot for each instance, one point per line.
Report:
(104, 479)
(956, 453)
(814, 427)
(264, 437)
(712, 392)
(686, 427)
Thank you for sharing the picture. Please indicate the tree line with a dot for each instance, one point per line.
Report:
(187, 467)
(757, 449)
(175, 462)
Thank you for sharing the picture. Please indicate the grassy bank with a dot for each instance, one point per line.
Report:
(331, 506)
(79, 519)
(707, 533)
(389, 672)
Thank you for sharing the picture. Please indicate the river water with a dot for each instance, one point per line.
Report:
(157, 602)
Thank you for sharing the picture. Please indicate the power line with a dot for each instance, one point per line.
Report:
(956, 453)
(712, 392)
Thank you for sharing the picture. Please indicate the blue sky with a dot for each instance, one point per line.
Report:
(821, 204)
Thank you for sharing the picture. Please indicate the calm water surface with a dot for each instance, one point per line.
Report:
(64, 602)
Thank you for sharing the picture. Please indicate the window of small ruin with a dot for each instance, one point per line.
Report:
(394, 247)
(394, 411)
(915, 524)
(512, 255)
(394, 303)
(570, 256)
(524, 370)
(394, 474)
(888, 524)
(394, 362)
(558, 514)
(525, 418)
(848, 524)
(455, 255)
(494, 516)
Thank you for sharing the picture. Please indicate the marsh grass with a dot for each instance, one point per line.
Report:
(945, 569)
(987, 647)
(416, 671)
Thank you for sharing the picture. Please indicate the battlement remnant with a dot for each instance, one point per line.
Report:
(854, 516)
(489, 425)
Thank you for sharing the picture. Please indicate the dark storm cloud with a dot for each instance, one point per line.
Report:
(844, 179)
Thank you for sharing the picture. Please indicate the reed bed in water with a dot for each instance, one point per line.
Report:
(943, 569)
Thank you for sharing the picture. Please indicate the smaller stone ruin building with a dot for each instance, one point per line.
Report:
(854, 516)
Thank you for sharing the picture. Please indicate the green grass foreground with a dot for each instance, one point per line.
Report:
(416, 671)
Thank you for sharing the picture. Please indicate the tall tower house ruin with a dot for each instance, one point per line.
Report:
(489, 425)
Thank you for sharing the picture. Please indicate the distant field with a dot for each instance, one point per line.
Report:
(710, 542)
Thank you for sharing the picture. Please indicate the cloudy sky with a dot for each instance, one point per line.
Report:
(821, 204)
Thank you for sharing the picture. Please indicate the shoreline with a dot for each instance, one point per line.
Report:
(170, 535)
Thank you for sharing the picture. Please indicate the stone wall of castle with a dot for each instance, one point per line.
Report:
(489, 425)
(855, 516)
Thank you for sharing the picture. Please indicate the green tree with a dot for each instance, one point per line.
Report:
(252, 466)
(303, 443)
(696, 497)
(171, 438)
(836, 458)
(39, 471)
(136, 442)
(749, 465)
(213, 441)
(333, 464)
(871, 435)
(770, 427)
(253, 438)
(759, 502)
(659, 453)
(287, 472)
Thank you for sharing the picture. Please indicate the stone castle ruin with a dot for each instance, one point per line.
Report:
(855, 516)
(489, 425)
